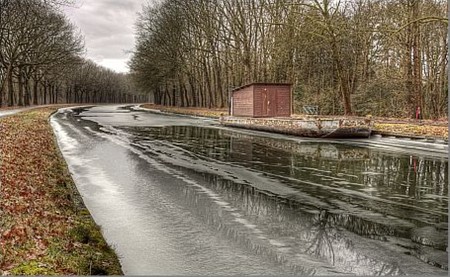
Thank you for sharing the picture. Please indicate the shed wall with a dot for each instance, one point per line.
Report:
(262, 100)
(284, 101)
(272, 100)
(243, 102)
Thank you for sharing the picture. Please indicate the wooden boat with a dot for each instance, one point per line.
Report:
(311, 126)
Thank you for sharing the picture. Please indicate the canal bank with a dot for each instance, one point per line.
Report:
(45, 229)
(385, 127)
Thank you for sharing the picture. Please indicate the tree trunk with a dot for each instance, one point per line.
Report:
(20, 86)
(417, 63)
(45, 92)
(35, 92)
(10, 88)
(27, 92)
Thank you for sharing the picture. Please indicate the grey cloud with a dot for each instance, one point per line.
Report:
(115, 47)
(107, 25)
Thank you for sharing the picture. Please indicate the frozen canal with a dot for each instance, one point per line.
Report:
(183, 196)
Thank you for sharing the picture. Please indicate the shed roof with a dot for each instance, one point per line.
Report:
(261, 84)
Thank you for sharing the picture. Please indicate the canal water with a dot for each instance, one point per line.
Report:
(179, 195)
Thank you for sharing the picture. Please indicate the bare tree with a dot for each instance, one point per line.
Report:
(349, 57)
(40, 59)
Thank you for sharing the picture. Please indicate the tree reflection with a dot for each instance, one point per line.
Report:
(321, 243)
(302, 227)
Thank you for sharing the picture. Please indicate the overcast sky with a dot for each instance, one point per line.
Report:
(108, 28)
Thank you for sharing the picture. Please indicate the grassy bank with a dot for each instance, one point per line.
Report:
(44, 227)
(386, 126)
(420, 128)
(205, 112)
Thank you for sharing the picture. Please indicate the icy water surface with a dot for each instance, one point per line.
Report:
(178, 195)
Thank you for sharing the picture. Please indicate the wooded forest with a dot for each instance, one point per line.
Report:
(41, 59)
(353, 57)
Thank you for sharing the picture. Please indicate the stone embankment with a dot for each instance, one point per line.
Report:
(307, 127)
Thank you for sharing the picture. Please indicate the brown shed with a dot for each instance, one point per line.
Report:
(262, 100)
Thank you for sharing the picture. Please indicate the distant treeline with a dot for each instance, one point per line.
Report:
(379, 57)
(41, 59)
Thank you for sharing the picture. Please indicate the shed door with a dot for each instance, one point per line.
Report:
(264, 103)
(272, 103)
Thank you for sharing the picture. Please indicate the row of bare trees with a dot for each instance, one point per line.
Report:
(41, 59)
(379, 57)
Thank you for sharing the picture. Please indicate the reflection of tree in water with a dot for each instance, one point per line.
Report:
(318, 235)
(326, 242)
(382, 174)
(321, 243)
(418, 182)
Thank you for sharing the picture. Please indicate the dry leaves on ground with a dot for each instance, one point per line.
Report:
(40, 226)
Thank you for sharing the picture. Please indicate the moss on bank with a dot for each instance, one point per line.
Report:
(44, 227)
